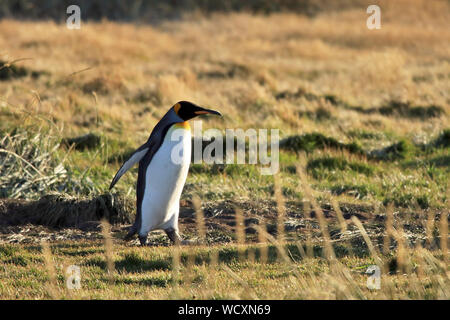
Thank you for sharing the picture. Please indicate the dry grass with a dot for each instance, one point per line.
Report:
(364, 181)
(211, 62)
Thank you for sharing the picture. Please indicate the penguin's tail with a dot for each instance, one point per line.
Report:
(131, 233)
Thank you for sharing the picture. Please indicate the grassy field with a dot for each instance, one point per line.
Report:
(364, 160)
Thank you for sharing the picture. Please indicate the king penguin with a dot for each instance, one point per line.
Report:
(163, 167)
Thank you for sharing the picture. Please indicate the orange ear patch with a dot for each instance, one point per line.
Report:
(176, 108)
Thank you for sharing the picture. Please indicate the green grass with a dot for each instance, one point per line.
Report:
(325, 167)
(146, 273)
(313, 141)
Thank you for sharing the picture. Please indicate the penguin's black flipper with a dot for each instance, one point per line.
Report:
(135, 157)
(150, 147)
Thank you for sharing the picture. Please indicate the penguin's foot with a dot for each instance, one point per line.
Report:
(143, 239)
(188, 242)
(174, 236)
(130, 234)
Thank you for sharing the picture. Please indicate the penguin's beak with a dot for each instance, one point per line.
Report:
(207, 111)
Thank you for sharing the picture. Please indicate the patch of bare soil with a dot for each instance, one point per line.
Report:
(56, 218)
(35, 234)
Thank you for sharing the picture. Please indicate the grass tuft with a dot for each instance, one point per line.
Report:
(396, 151)
(9, 71)
(443, 140)
(320, 168)
(87, 141)
(313, 141)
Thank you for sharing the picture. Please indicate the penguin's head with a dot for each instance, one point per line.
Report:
(187, 110)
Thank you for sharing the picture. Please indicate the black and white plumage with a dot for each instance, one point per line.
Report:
(162, 172)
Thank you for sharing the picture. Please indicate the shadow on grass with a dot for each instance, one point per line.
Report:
(161, 282)
(76, 253)
(396, 151)
(133, 263)
(392, 108)
(311, 141)
(321, 167)
(439, 161)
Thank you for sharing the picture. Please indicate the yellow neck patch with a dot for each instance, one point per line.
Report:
(183, 125)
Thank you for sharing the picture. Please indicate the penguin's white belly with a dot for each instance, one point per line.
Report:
(165, 178)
